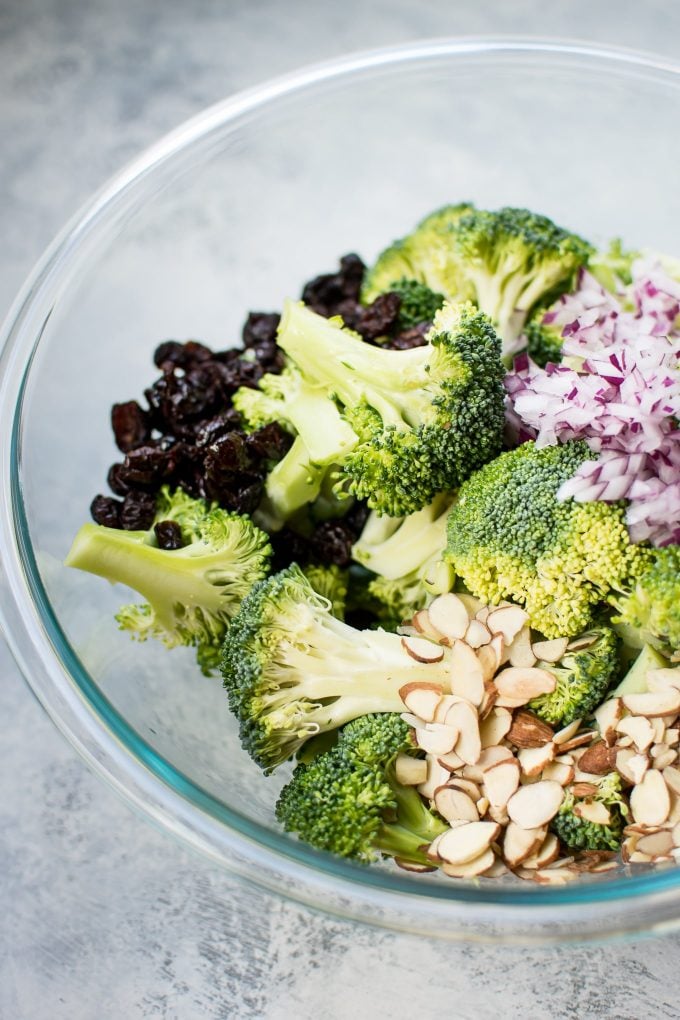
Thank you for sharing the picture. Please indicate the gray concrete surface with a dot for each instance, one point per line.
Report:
(104, 918)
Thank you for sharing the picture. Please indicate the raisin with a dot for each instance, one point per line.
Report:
(332, 543)
(169, 535)
(181, 355)
(138, 511)
(106, 510)
(260, 329)
(212, 429)
(409, 338)
(130, 425)
(380, 317)
(271, 442)
(324, 293)
(146, 467)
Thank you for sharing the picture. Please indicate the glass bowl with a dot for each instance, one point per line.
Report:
(231, 212)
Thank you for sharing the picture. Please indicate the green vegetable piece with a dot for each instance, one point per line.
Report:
(578, 833)
(583, 679)
(635, 680)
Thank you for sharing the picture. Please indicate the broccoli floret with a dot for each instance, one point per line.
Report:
(418, 303)
(612, 268)
(509, 537)
(329, 581)
(322, 437)
(292, 670)
(407, 555)
(424, 418)
(348, 801)
(579, 834)
(192, 592)
(544, 340)
(583, 679)
(506, 262)
(649, 608)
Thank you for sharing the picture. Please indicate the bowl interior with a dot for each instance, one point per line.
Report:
(236, 215)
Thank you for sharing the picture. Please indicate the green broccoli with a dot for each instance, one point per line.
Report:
(322, 437)
(649, 608)
(544, 339)
(612, 268)
(292, 670)
(579, 834)
(192, 592)
(507, 262)
(509, 537)
(418, 303)
(424, 418)
(331, 582)
(348, 801)
(583, 679)
(407, 555)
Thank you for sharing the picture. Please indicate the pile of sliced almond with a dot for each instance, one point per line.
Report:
(498, 774)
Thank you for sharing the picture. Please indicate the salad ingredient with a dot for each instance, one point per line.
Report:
(596, 821)
(349, 800)
(191, 591)
(583, 679)
(424, 419)
(649, 608)
(510, 537)
(292, 670)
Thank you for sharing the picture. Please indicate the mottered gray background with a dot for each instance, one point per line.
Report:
(103, 917)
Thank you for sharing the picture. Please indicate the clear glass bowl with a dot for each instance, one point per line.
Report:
(233, 211)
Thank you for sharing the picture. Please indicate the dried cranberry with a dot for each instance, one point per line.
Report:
(324, 293)
(409, 338)
(130, 425)
(380, 317)
(332, 543)
(138, 511)
(116, 480)
(106, 510)
(241, 372)
(169, 535)
(147, 466)
(260, 328)
(181, 355)
(212, 429)
(271, 442)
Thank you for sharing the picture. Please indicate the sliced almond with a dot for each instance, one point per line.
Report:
(507, 621)
(598, 759)
(631, 766)
(410, 771)
(547, 876)
(467, 675)
(676, 834)
(467, 786)
(500, 648)
(471, 869)
(535, 805)
(477, 634)
(657, 844)
(593, 811)
(534, 759)
(421, 622)
(649, 800)
(437, 776)
(495, 727)
(422, 650)
(453, 804)
(483, 614)
(437, 738)
(547, 853)
(491, 756)
(663, 679)
(580, 740)
(639, 858)
(444, 705)
(674, 813)
(497, 869)
(659, 728)
(519, 843)
(517, 686)
(664, 757)
(465, 843)
(639, 729)
(488, 701)
(550, 651)
(498, 814)
(449, 616)
(670, 737)
(450, 762)
(464, 718)
(501, 782)
(528, 730)
(421, 698)
(564, 735)
(489, 661)
(584, 789)
(579, 643)
(520, 652)
(559, 772)
(672, 777)
(607, 716)
(471, 603)
(412, 866)
(432, 851)
(654, 703)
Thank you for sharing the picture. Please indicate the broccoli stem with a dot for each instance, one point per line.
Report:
(396, 841)
(293, 482)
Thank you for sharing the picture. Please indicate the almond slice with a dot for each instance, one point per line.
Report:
(631, 766)
(495, 727)
(672, 777)
(670, 737)
(464, 718)
(507, 621)
(547, 876)
(578, 741)
(432, 851)
(444, 705)
(483, 614)
(579, 643)
(471, 869)
(488, 701)
(437, 776)
(535, 805)
(547, 853)
(449, 616)
(467, 676)
(657, 844)
(598, 759)
(467, 786)
(649, 801)
(497, 869)
(567, 732)
(466, 842)
(560, 772)
(421, 699)
(450, 762)
(437, 738)
(550, 651)
(477, 634)
(676, 834)
(471, 603)
(663, 756)
(453, 805)
(489, 661)
(584, 789)
(593, 811)
(519, 843)
(663, 679)
(420, 869)
(499, 646)
(639, 729)
(528, 730)
(410, 771)
(501, 782)
(422, 650)
(491, 756)
(421, 622)
(520, 652)
(654, 703)
(607, 716)
(517, 686)
(534, 759)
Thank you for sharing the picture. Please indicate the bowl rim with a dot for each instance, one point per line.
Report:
(103, 737)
